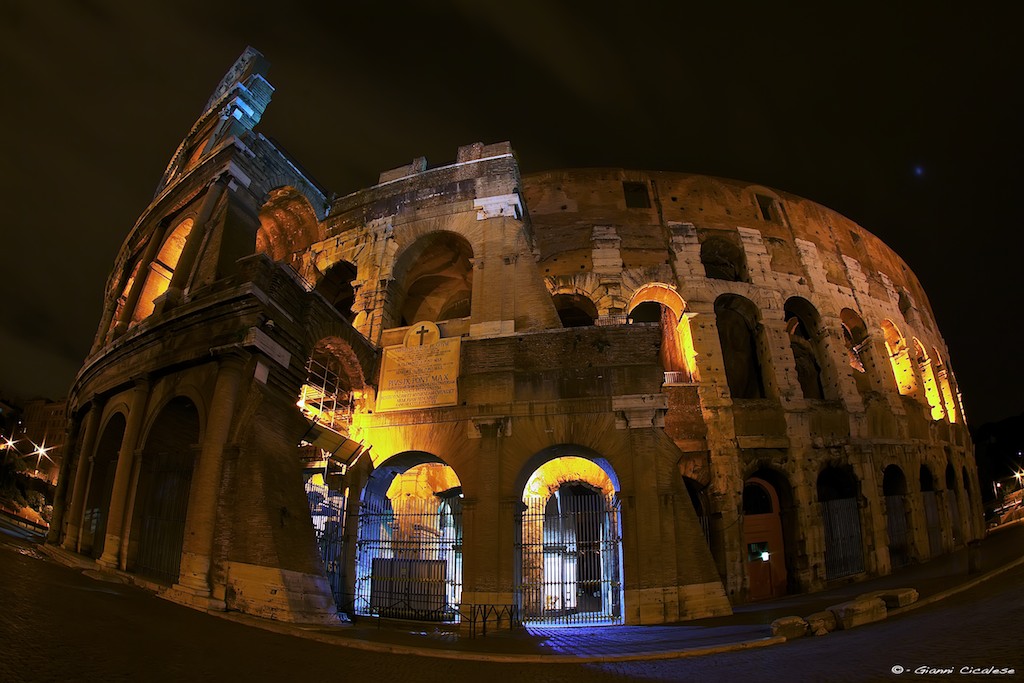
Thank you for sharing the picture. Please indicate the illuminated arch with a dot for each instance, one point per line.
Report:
(161, 270)
(944, 378)
(288, 224)
(661, 303)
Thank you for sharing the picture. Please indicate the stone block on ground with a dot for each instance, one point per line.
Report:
(858, 612)
(894, 597)
(821, 623)
(789, 627)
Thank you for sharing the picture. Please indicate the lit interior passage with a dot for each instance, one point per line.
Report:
(569, 551)
(409, 549)
(931, 388)
(942, 375)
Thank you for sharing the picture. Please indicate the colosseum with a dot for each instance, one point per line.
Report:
(594, 396)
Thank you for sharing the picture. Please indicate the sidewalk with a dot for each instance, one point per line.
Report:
(749, 626)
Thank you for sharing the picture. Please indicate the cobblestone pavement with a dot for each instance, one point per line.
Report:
(58, 624)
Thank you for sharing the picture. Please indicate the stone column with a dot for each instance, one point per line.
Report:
(57, 521)
(200, 520)
(116, 521)
(83, 474)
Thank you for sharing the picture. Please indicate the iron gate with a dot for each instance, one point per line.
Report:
(569, 559)
(896, 522)
(409, 558)
(166, 477)
(327, 510)
(954, 516)
(931, 516)
(844, 554)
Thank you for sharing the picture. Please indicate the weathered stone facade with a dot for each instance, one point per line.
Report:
(745, 390)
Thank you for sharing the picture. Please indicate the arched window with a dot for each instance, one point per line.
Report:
(433, 280)
(894, 488)
(161, 270)
(930, 501)
(737, 322)
(943, 376)
(336, 287)
(803, 327)
(855, 337)
(838, 489)
(722, 259)
(575, 310)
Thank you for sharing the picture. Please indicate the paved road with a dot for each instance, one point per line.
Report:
(57, 624)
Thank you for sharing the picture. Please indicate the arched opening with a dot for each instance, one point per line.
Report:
(855, 337)
(838, 492)
(737, 321)
(657, 303)
(803, 324)
(288, 225)
(575, 310)
(943, 376)
(409, 549)
(952, 505)
(931, 389)
(161, 498)
(894, 488)
(433, 280)
(569, 550)
(764, 539)
(327, 399)
(161, 270)
(723, 260)
(336, 287)
(929, 500)
(899, 358)
(100, 486)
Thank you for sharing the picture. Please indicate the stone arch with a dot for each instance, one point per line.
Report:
(723, 259)
(568, 540)
(661, 303)
(288, 224)
(803, 324)
(102, 468)
(161, 269)
(927, 374)
(162, 493)
(899, 358)
(738, 322)
(897, 519)
(409, 547)
(838, 490)
(432, 280)
(575, 310)
(336, 287)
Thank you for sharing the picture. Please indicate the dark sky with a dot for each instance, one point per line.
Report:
(902, 116)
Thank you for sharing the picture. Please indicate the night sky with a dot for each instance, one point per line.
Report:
(904, 117)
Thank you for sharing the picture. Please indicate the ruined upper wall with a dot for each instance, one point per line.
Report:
(565, 205)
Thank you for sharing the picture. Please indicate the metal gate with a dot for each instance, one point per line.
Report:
(166, 478)
(327, 510)
(569, 558)
(844, 554)
(896, 521)
(409, 558)
(931, 516)
(954, 516)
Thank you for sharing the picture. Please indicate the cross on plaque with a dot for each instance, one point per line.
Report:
(421, 332)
